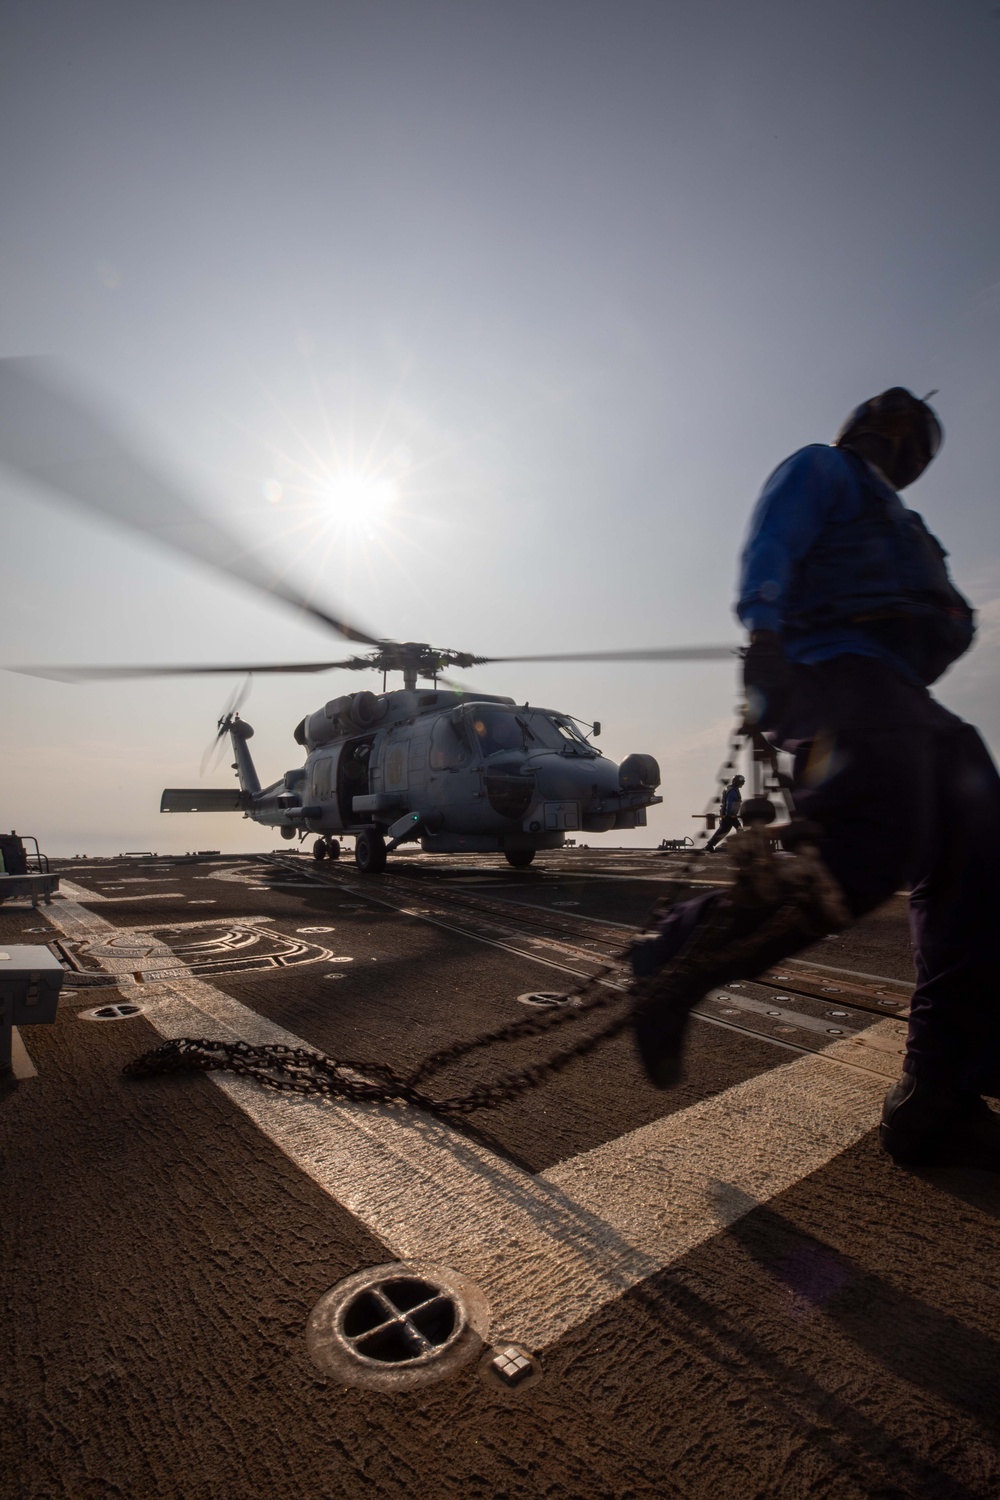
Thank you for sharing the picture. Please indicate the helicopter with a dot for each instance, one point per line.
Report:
(458, 770)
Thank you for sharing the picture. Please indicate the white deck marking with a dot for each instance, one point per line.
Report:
(21, 1064)
(80, 893)
(549, 1250)
(809, 963)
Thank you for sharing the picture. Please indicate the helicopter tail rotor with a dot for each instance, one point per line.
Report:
(216, 745)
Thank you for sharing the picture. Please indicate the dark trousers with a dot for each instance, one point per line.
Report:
(726, 826)
(906, 794)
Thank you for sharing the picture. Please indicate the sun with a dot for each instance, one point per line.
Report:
(340, 498)
(348, 501)
(358, 498)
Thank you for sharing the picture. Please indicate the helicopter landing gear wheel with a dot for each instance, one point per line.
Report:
(333, 848)
(519, 858)
(370, 852)
(319, 849)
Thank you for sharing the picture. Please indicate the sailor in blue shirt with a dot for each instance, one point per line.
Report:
(851, 615)
(731, 802)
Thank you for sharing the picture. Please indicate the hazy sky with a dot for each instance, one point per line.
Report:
(564, 280)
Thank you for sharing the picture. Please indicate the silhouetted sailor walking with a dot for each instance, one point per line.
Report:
(731, 802)
(851, 615)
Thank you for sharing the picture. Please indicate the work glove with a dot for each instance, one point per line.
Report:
(766, 681)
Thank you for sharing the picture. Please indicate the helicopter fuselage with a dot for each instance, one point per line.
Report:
(456, 772)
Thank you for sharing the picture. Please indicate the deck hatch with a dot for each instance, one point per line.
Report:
(397, 1326)
(119, 1010)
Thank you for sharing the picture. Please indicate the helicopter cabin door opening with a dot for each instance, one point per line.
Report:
(352, 778)
(323, 777)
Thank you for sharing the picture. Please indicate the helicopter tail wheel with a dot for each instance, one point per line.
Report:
(519, 858)
(333, 848)
(319, 849)
(369, 852)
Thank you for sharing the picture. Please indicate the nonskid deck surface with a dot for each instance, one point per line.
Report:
(727, 1288)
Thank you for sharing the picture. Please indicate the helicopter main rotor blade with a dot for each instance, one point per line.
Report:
(360, 664)
(118, 674)
(50, 435)
(656, 653)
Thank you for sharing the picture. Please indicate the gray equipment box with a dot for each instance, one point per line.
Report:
(30, 981)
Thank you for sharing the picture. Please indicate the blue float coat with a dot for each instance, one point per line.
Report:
(817, 506)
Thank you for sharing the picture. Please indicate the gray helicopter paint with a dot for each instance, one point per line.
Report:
(424, 760)
(322, 778)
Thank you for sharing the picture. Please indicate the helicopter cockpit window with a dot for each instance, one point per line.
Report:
(555, 733)
(572, 737)
(496, 730)
(447, 750)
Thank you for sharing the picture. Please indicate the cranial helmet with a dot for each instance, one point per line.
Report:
(738, 780)
(908, 431)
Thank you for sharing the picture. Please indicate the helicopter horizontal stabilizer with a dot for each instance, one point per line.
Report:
(204, 799)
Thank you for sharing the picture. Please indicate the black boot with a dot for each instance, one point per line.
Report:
(773, 910)
(930, 1125)
(728, 942)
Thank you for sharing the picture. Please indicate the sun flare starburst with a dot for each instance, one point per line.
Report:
(347, 490)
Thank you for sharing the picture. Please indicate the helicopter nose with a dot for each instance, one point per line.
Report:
(590, 794)
(560, 779)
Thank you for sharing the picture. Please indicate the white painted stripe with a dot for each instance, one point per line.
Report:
(548, 1251)
(21, 1064)
(808, 963)
(146, 896)
(80, 893)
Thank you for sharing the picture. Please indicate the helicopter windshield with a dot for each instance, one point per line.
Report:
(497, 729)
(553, 732)
(503, 729)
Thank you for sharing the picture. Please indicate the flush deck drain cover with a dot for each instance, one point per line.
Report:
(121, 1010)
(397, 1326)
(546, 999)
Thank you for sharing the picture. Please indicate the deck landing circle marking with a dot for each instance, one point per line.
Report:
(209, 945)
(397, 1326)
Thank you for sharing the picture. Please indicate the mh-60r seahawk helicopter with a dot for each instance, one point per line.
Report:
(458, 770)
(462, 772)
